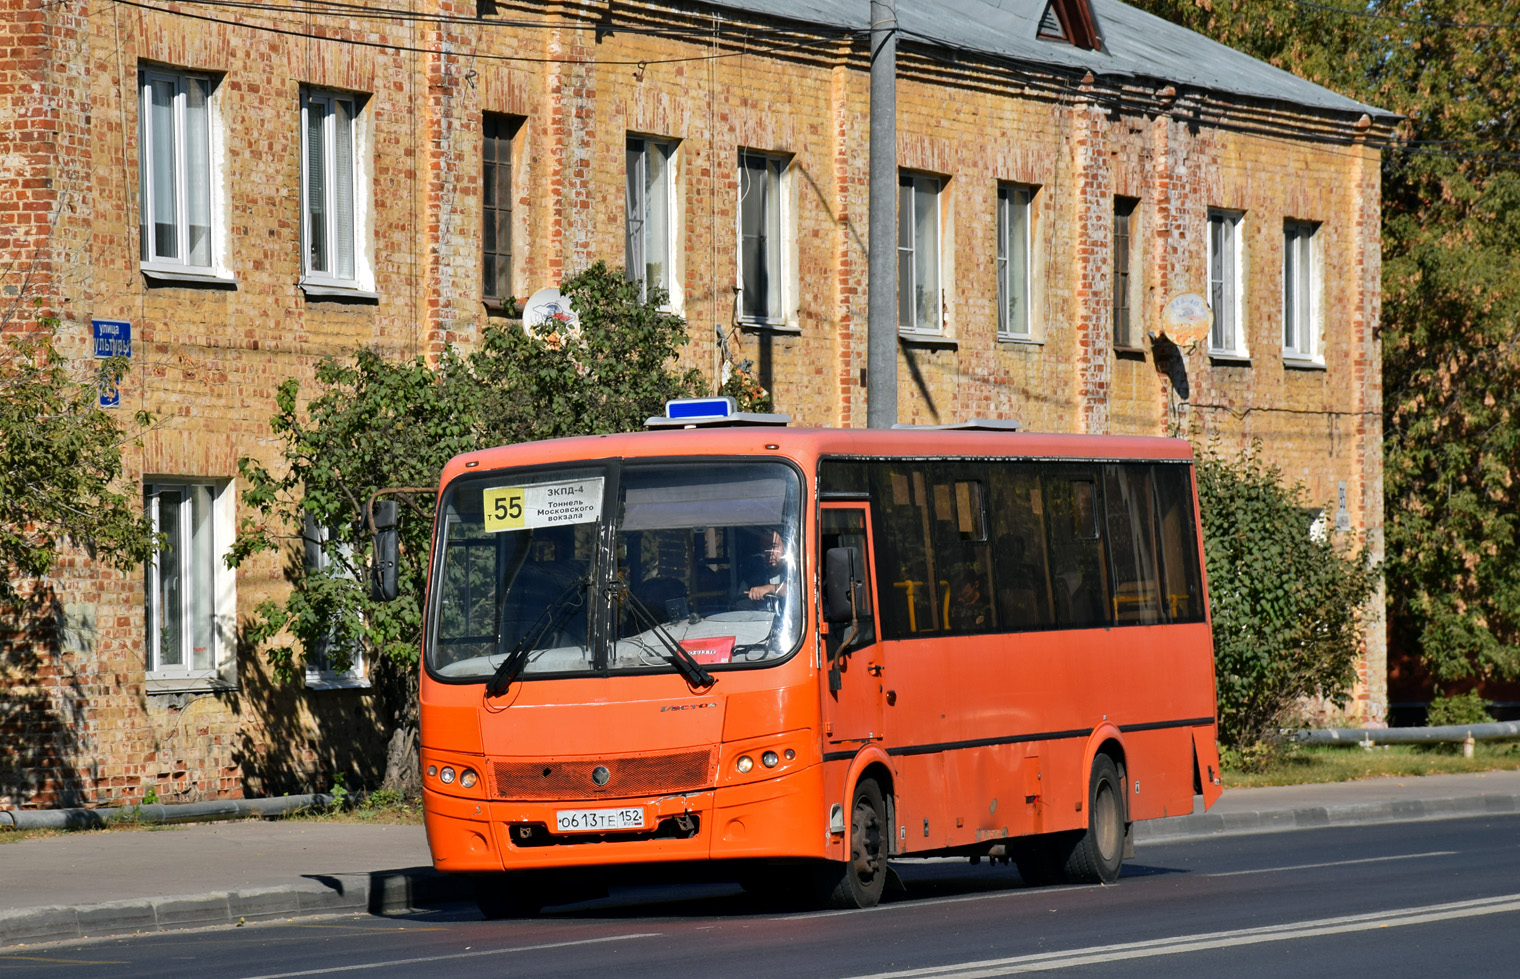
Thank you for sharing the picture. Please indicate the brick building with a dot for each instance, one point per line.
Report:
(255, 187)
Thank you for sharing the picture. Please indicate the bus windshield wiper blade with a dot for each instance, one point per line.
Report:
(677, 654)
(513, 664)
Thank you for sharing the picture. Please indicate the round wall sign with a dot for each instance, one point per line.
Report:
(1186, 318)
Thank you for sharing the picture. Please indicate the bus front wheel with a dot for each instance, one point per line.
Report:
(859, 881)
(1099, 851)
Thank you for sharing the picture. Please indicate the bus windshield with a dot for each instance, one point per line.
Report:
(703, 556)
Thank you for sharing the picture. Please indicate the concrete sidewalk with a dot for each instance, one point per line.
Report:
(94, 884)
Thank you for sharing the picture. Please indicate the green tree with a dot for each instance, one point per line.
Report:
(1287, 609)
(1451, 293)
(376, 424)
(60, 463)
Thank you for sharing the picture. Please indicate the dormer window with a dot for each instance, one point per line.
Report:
(1071, 22)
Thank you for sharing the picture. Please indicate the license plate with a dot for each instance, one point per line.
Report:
(598, 820)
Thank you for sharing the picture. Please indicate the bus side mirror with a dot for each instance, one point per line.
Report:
(842, 582)
(382, 523)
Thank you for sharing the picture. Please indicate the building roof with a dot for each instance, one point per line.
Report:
(1134, 44)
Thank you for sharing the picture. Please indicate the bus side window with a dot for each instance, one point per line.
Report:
(1182, 584)
(906, 570)
(1023, 581)
(1132, 543)
(1078, 572)
(961, 551)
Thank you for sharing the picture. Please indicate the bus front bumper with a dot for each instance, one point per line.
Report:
(779, 817)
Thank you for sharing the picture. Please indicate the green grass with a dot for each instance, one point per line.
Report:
(1303, 766)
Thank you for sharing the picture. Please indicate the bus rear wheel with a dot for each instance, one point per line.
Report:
(860, 881)
(1099, 851)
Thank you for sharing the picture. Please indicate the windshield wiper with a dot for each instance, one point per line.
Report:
(678, 656)
(551, 616)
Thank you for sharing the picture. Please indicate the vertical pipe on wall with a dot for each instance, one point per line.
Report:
(881, 317)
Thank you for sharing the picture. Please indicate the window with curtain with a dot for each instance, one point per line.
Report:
(1226, 285)
(648, 238)
(918, 289)
(761, 246)
(185, 579)
(329, 187)
(1013, 212)
(175, 170)
(1300, 292)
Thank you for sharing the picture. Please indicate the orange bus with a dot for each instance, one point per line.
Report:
(802, 653)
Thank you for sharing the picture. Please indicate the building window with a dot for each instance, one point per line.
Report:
(332, 193)
(649, 235)
(175, 206)
(1300, 292)
(497, 134)
(333, 659)
(1013, 261)
(919, 305)
(189, 600)
(1123, 248)
(762, 248)
(1226, 287)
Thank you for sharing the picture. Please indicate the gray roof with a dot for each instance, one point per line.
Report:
(1135, 44)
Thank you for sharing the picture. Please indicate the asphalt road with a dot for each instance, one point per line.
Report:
(1423, 899)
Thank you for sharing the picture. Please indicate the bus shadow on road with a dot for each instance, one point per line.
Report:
(669, 896)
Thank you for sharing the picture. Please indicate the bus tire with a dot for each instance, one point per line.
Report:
(1099, 851)
(859, 881)
(505, 896)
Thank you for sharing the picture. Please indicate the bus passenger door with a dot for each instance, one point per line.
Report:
(853, 658)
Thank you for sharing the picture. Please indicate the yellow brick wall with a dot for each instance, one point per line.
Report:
(207, 361)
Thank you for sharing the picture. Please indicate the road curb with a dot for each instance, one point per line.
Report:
(380, 892)
(420, 888)
(1208, 824)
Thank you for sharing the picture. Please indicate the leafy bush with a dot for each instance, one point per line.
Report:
(61, 479)
(1286, 608)
(1459, 708)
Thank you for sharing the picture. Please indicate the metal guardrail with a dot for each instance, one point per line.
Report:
(1464, 734)
(188, 812)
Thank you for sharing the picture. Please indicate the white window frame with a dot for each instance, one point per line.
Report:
(319, 675)
(1225, 268)
(911, 188)
(1015, 235)
(340, 271)
(780, 260)
(202, 576)
(176, 176)
(652, 219)
(1302, 311)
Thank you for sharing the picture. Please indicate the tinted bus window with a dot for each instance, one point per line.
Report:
(1130, 512)
(1182, 584)
(907, 574)
(1018, 533)
(961, 551)
(1078, 571)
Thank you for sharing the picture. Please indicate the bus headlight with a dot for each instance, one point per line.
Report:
(769, 759)
(467, 778)
(447, 775)
(744, 764)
